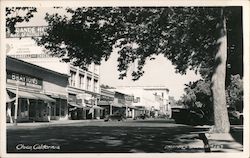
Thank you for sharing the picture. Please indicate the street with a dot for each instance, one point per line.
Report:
(149, 136)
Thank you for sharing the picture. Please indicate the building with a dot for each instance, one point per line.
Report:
(83, 89)
(117, 102)
(106, 101)
(40, 94)
(155, 99)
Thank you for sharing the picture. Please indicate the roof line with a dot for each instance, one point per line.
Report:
(39, 67)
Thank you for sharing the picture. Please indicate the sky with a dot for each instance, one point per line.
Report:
(158, 72)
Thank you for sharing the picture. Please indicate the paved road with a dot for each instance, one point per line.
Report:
(150, 136)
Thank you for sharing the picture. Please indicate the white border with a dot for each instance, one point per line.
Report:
(243, 3)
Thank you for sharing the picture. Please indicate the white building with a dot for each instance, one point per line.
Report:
(154, 98)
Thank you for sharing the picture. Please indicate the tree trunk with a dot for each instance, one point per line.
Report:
(221, 120)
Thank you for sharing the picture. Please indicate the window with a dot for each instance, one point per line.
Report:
(95, 85)
(81, 81)
(88, 83)
(90, 68)
(72, 79)
(96, 69)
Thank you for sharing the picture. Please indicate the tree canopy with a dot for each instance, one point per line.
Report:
(196, 38)
(16, 15)
(185, 35)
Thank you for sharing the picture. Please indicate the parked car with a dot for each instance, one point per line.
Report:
(195, 116)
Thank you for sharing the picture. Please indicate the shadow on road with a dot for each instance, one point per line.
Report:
(101, 139)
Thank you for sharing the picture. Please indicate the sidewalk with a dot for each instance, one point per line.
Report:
(216, 142)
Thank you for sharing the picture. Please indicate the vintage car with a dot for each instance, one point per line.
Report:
(195, 116)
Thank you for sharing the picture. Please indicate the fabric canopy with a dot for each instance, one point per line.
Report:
(8, 99)
(78, 105)
(97, 107)
(37, 96)
(22, 94)
(44, 97)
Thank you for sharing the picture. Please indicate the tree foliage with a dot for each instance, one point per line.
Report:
(198, 95)
(185, 35)
(16, 15)
(195, 38)
(235, 93)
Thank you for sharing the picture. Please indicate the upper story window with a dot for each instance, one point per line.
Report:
(95, 85)
(81, 81)
(88, 83)
(96, 69)
(72, 79)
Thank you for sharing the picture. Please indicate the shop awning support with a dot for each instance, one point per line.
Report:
(16, 104)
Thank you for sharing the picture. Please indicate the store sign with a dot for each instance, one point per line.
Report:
(24, 80)
(34, 31)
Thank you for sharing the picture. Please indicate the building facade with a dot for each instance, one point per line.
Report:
(83, 85)
(38, 93)
(155, 99)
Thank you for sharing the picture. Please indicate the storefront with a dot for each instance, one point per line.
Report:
(34, 93)
(83, 106)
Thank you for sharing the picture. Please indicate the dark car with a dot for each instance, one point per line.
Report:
(195, 116)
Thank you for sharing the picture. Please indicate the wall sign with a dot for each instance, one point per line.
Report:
(24, 80)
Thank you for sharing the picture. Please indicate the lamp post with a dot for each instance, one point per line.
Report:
(16, 102)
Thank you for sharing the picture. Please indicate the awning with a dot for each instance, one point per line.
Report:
(103, 103)
(44, 97)
(8, 99)
(97, 107)
(75, 105)
(78, 105)
(22, 94)
(37, 96)
(58, 96)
